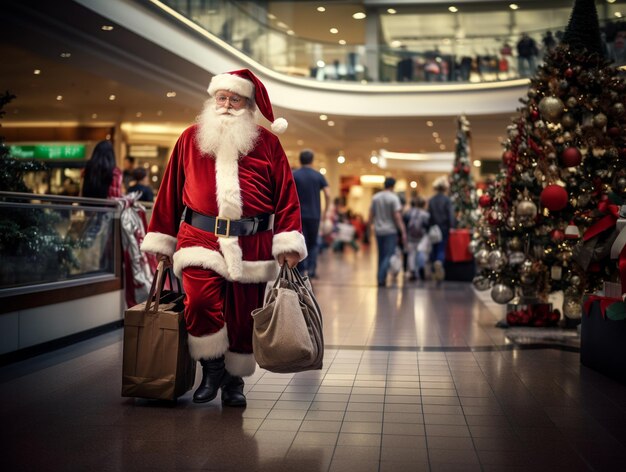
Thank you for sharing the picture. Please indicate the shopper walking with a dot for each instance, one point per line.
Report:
(101, 177)
(309, 184)
(441, 214)
(230, 181)
(526, 55)
(386, 218)
(417, 240)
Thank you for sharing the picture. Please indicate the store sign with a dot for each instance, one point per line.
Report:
(49, 151)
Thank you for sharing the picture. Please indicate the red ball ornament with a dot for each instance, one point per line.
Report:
(507, 157)
(569, 72)
(534, 115)
(571, 157)
(485, 201)
(554, 197)
(614, 131)
(557, 235)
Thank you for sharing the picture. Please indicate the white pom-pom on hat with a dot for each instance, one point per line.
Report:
(245, 83)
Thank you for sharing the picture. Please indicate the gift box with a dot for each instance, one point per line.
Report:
(603, 343)
(457, 249)
(533, 314)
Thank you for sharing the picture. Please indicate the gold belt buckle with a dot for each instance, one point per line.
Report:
(217, 227)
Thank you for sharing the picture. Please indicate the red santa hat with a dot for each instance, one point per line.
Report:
(243, 82)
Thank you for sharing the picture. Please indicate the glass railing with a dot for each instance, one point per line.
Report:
(441, 58)
(52, 242)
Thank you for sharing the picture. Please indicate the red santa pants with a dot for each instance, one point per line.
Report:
(211, 301)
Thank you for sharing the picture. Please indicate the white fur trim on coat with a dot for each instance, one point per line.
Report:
(232, 83)
(159, 243)
(241, 365)
(248, 272)
(208, 347)
(287, 242)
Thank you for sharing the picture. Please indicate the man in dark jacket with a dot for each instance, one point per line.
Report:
(441, 214)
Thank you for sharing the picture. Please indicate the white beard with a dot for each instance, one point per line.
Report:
(226, 133)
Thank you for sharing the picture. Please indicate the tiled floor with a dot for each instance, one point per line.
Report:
(416, 377)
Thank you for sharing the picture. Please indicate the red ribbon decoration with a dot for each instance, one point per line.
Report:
(605, 302)
(612, 213)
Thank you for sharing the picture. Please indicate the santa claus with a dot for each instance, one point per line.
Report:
(230, 183)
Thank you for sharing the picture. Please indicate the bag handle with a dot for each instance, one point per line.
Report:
(158, 282)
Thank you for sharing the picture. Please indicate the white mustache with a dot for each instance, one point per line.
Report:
(230, 111)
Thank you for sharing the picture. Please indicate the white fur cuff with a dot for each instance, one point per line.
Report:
(241, 365)
(232, 83)
(289, 241)
(208, 347)
(159, 243)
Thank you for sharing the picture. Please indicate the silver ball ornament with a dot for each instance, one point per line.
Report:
(481, 283)
(501, 293)
(496, 260)
(482, 258)
(551, 108)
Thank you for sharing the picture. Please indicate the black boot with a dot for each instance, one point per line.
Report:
(232, 391)
(212, 377)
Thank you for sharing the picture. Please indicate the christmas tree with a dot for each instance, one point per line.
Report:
(30, 244)
(462, 189)
(563, 172)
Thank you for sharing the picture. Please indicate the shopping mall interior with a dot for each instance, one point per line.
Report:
(417, 374)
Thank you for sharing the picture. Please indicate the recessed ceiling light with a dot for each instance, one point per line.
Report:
(438, 140)
(334, 30)
(320, 64)
(513, 6)
(341, 159)
(429, 123)
(392, 11)
(359, 15)
(435, 134)
(342, 42)
(138, 114)
(112, 97)
(170, 94)
(291, 32)
(65, 55)
(477, 163)
(59, 97)
(610, 1)
(385, 139)
(159, 113)
(94, 116)
(106, 28)
(37, 72)
(618, 14)
(453, 9)
(413, 184)
(396, 44)
(321, 9)
(323, 170)
(442, 147)
(282, 25)
(299, 142)
(374, 160)
(271, 16)
(331, 123)
(323, 117)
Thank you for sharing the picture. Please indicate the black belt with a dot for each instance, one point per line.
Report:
(225, 227)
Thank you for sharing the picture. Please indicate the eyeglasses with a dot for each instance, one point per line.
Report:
(234, 100)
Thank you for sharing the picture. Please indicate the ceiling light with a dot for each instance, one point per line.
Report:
(94, 116)
(435, 134)
(65, 55)
(37, 72)
(321, 9)
(392, 11)
(610, 1)
(323, 170)
(282, 25)
(359, 15)
(170, 94)
(160, 113)
(618, 14)
(320, 64)
(396, 44)
(385, 139)
(59, 97)
(291, 32)
(438, 140)
(299, 142)
(341, 159)
(323, 117)
(106, 28)
(154, 169)
(513, 6)
(442, 147)
(334, 30)
(331, 123)
(453, 9)
(413, 184)
(138, 114)
(429, 123)
(112, 97)
(271, 16)
(342, 42)
(372, 179)
(374, 160)
(477, 163)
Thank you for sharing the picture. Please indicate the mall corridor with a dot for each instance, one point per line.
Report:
(416, 377)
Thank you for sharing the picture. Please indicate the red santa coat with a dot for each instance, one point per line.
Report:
(230, 186)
